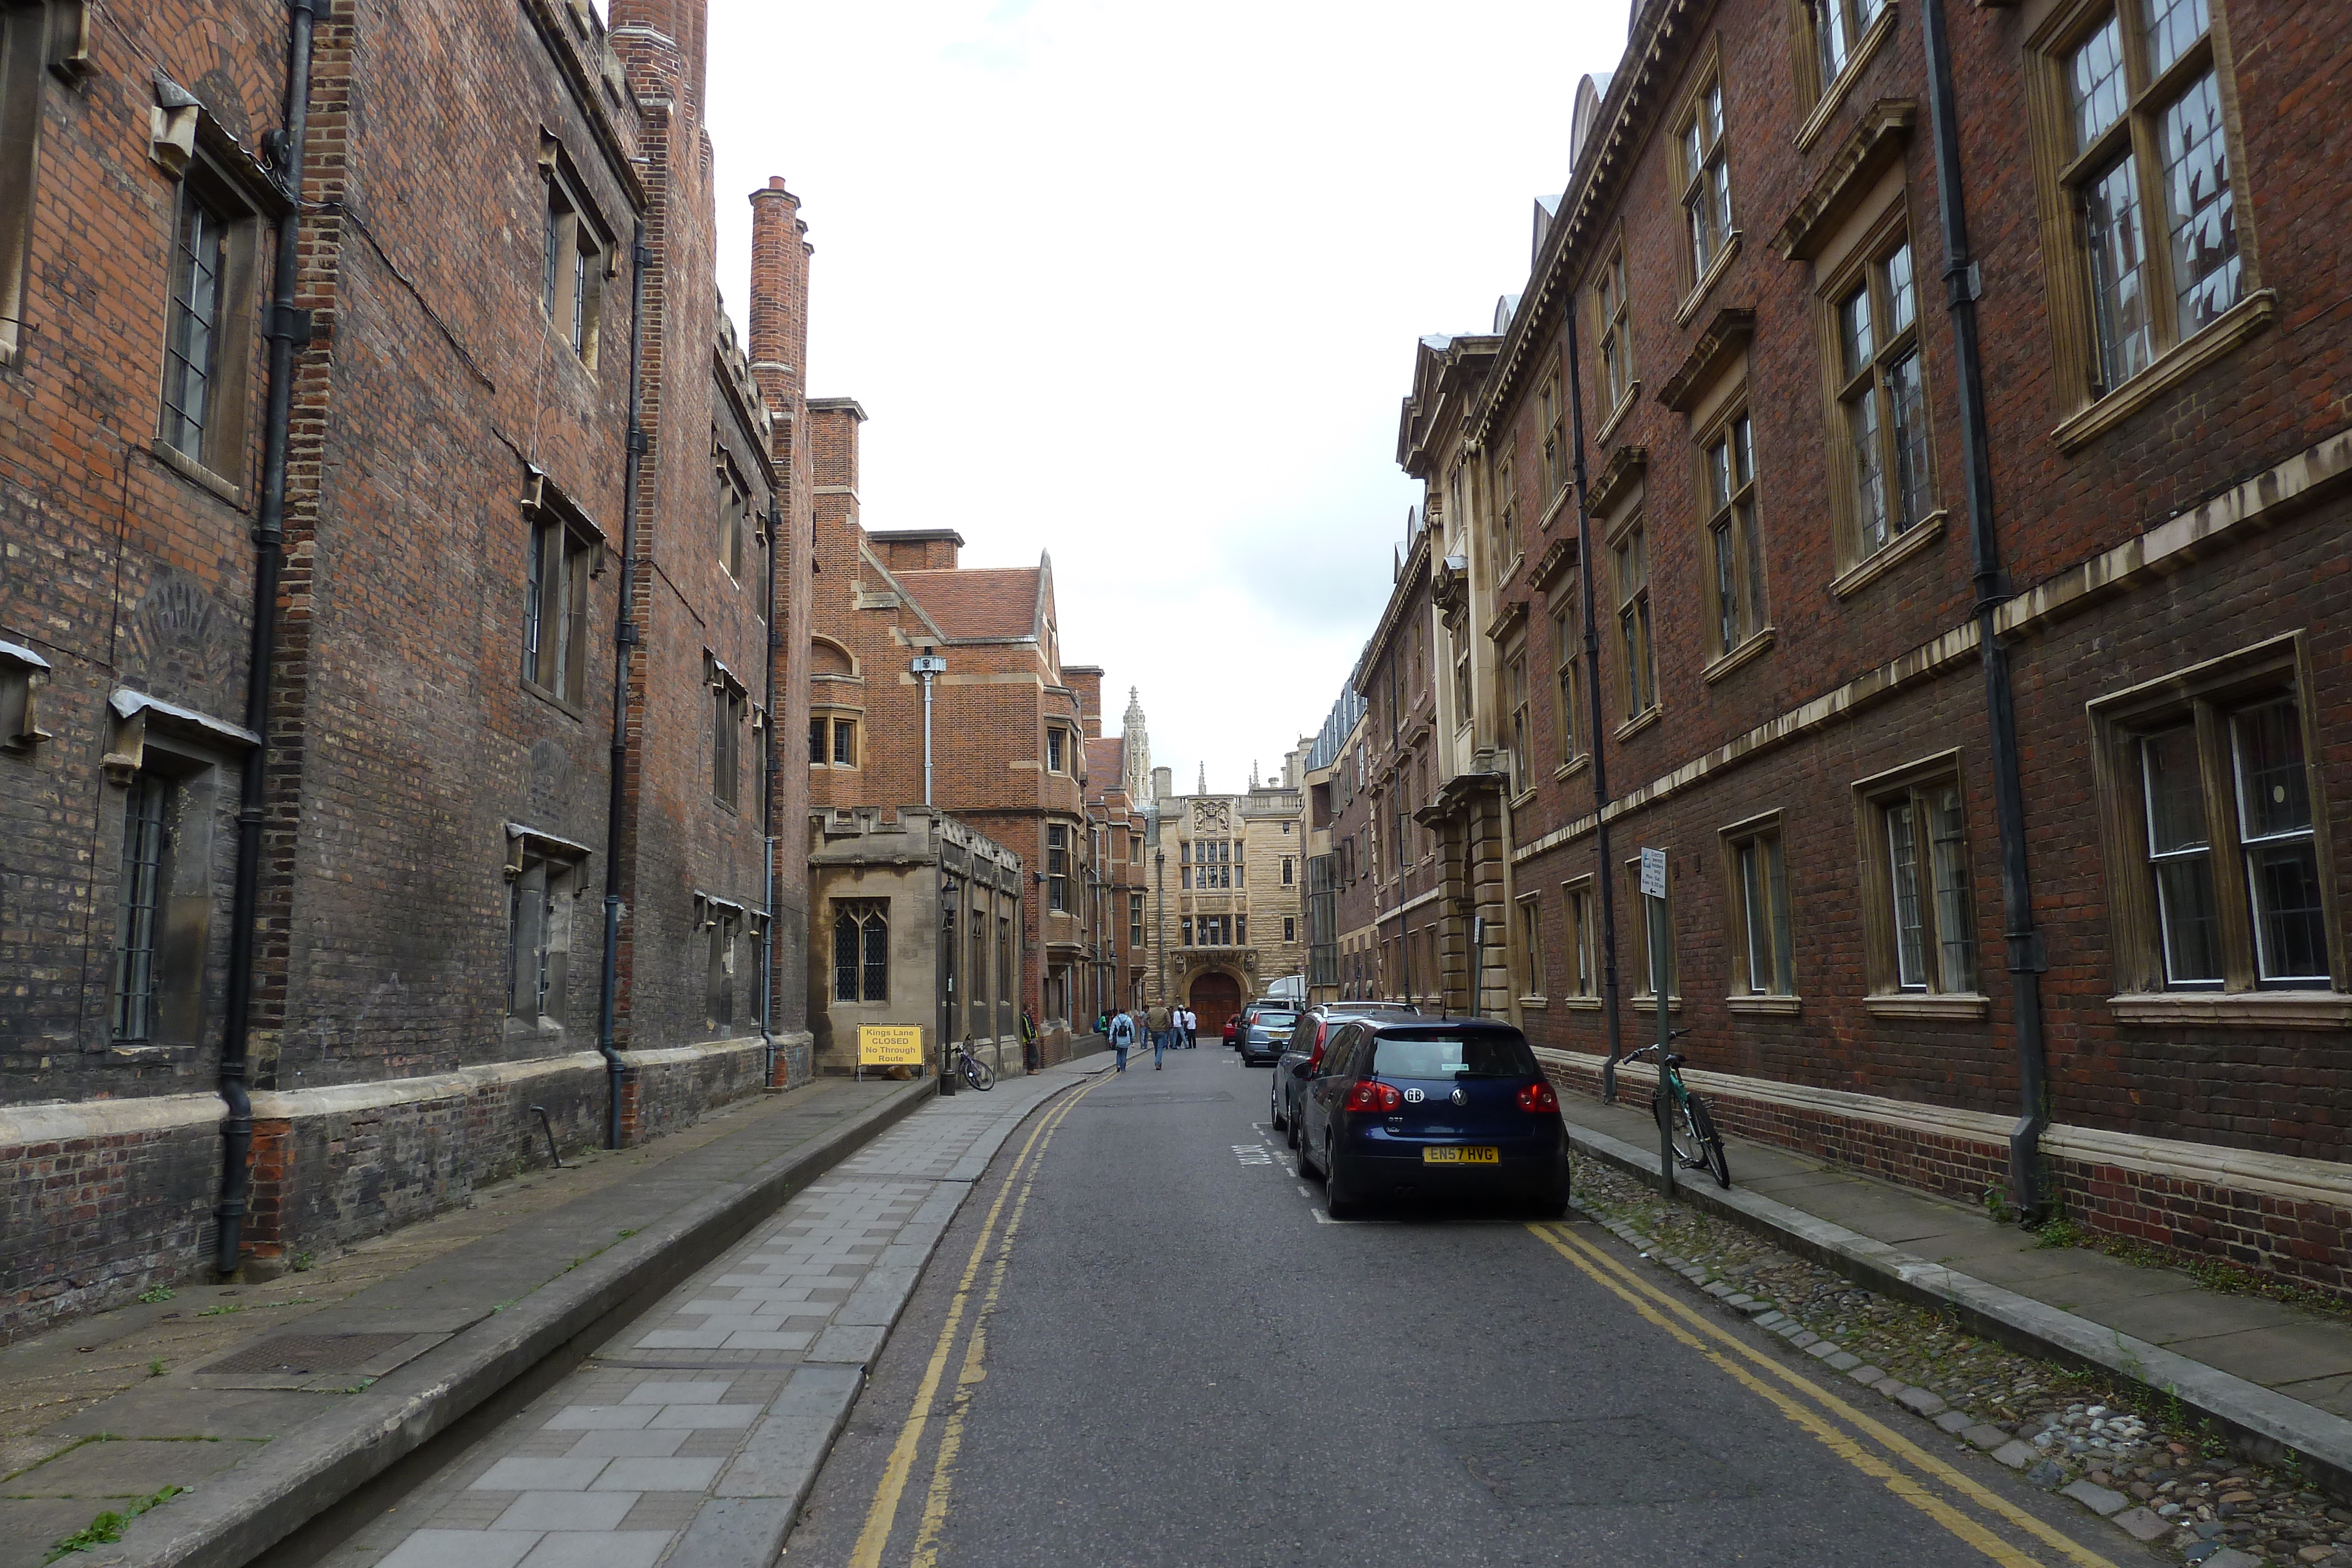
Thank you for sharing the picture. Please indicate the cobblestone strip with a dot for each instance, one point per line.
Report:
(703, 1423)
(2118, 1465)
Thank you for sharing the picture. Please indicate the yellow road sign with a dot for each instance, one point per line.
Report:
(889, 1045)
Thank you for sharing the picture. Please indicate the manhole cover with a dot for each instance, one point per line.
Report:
(300, 1355)
(1610, 1461)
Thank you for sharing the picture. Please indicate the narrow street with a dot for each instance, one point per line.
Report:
(1140, 1343)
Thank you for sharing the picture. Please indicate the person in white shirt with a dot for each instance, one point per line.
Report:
(1191, 1030)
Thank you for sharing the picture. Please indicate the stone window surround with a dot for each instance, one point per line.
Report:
(1884, 997)
(576, 223)
(1886, 229)
(1705, 73)
(1826, 97)
(1742, 995)
(208, 164)
(2087, 408)
(2278, 665)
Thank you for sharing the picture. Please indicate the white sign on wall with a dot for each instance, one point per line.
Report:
(1653, 873)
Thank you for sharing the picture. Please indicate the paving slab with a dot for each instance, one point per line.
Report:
(525, 1271)
(708, 1413)
(2286, 1353)
(130, 1468)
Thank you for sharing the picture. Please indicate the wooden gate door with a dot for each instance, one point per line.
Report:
(1215, 997)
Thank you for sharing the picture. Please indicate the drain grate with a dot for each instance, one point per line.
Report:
(300, 1355)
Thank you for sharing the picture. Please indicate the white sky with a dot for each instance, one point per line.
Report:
(1139, 286)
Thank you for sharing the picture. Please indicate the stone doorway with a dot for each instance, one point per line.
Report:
(1215, 997)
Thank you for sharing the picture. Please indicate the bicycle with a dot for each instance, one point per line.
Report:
(1683, 1114)
(975, 1071)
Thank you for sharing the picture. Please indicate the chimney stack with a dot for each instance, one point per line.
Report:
(686, 23)
(779, 291)
(832, 438)
(1085, 680)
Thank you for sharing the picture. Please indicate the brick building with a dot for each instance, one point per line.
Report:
(1012, 731)
(1989, 702)
(1115, 824)
(302, 911)
(1338, 906)
(1227, 895)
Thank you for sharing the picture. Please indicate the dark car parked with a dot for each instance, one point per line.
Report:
(1422, 1108)
(1264, 1031)
(1306, 1052)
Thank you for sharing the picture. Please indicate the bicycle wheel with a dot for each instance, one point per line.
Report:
(1711, 1143)
(978, 1073)
(1680, 1132)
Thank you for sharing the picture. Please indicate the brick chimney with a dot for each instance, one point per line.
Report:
(918, 549)
(780, 294)
(832, 438)
(1087, 680)
(684, 24)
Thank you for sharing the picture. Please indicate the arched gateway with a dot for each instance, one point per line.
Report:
(1215, 997)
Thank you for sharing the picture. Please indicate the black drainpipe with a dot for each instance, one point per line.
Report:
(767, 795)
(625, 639)
(1585, 567)
(284, 328)
(2026, 959)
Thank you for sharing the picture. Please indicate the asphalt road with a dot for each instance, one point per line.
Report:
(1141, 1344)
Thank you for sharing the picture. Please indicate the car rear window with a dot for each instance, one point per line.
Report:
(1461, 1056)
(1272, 1019)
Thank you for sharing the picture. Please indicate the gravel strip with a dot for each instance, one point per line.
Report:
(2080, 1427)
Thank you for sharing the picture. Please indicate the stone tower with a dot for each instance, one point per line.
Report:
(1138, 747)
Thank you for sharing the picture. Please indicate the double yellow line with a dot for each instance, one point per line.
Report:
(891, 1490)
(1932, 1490)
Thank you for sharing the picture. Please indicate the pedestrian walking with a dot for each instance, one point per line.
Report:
(1161, 1026)
(1122, 1035)
(1191, 1030)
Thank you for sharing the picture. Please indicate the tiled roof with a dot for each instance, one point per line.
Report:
(981, 601)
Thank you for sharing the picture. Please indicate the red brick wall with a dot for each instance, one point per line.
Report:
(2279, 1091)
(402, 738)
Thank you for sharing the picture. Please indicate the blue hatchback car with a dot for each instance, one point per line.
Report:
(1420, 1108)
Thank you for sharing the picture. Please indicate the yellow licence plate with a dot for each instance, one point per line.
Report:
(1460, 1157)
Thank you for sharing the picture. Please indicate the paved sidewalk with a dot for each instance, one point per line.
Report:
(269, 1399)
(704, 1422)
(2279, 1374)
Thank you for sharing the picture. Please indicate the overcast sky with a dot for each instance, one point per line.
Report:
(1138, 286)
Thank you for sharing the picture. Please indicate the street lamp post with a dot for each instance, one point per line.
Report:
(928, 666)
(1159, 899)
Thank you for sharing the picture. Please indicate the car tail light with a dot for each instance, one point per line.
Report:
(1538, 1097)
(1372, 1095)
(1315, 1058)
